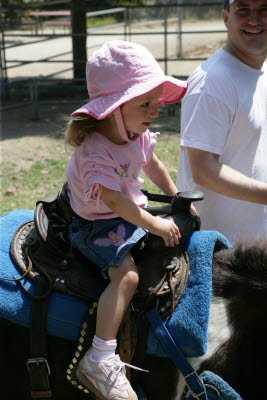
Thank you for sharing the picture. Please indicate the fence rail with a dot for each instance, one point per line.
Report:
(157, 26)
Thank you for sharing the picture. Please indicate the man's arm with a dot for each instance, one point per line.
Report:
(208, 172)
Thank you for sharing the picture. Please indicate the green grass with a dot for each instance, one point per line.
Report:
(167, 150)
(31, 179)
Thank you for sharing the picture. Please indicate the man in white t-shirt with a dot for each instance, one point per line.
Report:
(224, 127)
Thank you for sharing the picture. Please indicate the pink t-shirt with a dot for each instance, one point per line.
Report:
(98, 161)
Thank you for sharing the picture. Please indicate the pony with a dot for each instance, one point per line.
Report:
(237, 324)
(236, 349)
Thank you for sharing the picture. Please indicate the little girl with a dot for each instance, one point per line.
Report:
(110, 132)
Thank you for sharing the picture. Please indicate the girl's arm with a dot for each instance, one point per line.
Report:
(158, 174)
(129, 211)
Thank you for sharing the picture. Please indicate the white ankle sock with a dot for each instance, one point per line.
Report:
(103, 349)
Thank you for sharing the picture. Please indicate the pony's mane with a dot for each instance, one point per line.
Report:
(243, 267)
(240, 276)
(245, 256)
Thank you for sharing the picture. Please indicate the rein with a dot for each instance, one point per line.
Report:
(192, 379)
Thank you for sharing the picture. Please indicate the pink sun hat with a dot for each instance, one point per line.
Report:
(120, 71)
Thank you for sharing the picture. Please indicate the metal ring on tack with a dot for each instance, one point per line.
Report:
(214, 388)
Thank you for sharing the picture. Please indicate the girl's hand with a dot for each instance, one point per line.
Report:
(192, 209)
(166, 229)
(129, 211)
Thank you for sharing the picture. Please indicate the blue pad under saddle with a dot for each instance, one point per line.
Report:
(65, 311)
(187, 325)
(225, 390)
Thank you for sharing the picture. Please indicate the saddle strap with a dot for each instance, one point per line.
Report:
(23, 276)
(193, 381)
(37, 363)
(45, 275)
(161, 198)
(139, 332)
(125, 341)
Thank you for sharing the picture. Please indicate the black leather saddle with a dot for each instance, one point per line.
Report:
(42, 247)
(42, 251)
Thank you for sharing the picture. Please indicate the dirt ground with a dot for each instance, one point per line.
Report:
(22, 137)
(59, 49)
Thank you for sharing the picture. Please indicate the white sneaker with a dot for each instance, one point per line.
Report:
(106, 379)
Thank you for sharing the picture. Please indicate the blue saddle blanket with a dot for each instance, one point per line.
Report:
(188, 324)
(65, 311)
(222, 390)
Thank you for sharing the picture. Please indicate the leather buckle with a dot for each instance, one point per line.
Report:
(38, 361)
(196, 395)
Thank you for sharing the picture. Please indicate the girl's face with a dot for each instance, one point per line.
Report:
(138, 113)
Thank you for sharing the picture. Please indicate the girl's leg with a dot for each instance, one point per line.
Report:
(104, 376)
(116, 298)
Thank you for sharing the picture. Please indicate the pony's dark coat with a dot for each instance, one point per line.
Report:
(239, 276)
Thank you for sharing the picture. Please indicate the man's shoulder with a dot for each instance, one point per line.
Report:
(211, 68)
(213, 76)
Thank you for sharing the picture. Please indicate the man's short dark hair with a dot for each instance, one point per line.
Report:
(226, 3)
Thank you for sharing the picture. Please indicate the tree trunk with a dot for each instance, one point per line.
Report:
(78, 21)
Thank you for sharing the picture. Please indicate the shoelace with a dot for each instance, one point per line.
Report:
(118, 368)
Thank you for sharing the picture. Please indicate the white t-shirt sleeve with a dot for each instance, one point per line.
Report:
(205, 122)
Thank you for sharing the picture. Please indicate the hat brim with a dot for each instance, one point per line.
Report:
(173, 90)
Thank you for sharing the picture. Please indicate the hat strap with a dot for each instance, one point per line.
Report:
(121, 127)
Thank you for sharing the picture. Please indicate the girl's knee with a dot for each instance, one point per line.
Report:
(131, 279)
(126, 273)
(129, 274)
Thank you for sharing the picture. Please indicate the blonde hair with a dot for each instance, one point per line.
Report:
(78, 128)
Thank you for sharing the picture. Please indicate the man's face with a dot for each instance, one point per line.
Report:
(246, 22)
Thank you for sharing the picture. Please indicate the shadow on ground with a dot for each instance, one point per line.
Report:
(52, 120)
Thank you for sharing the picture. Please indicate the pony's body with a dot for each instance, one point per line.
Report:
(237, 349)
(236, 341)
(218, 333)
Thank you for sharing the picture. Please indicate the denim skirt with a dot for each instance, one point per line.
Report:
(104, 241)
